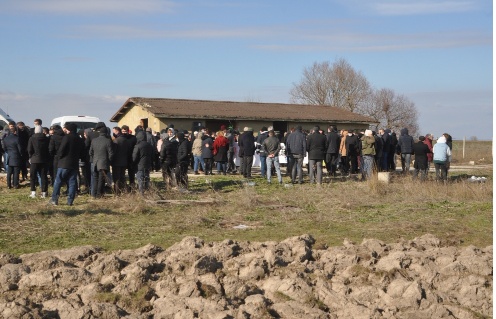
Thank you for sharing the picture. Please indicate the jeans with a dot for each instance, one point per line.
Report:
(423, 174)
(70, 177)
(198, 160)
(297, 168)
(441, 171)
(222, 167)
(13, 170)
(406, 159)
(331, 163)
(367, 166)
(384, 161)
(318, 170)
(263, 165)
(273, 160)
(231, 167)
(143, 177)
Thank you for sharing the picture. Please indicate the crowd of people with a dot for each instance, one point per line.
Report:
(93, 160)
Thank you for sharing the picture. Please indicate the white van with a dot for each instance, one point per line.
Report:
(4, 119)
(82, 121)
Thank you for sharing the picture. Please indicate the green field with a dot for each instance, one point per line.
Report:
(459, 213)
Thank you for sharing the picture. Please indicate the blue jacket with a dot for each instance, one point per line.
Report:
(441, 152)
(405, 142)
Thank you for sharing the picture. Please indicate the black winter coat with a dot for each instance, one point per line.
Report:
(316, 146)
(122, 151)
(352, 145)
(296, 143)
(70, 151)
(55, 142)
(168, 151)
(246, 144)
(405, 142)
(183, 151)
(207, 147)
(333, 142)
(13, 149)
(143, 152)
(38, 149)
(421, 150)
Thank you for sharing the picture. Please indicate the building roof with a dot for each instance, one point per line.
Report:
(200, 109)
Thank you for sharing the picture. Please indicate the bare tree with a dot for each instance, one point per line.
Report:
(337, 85)
(393, 111)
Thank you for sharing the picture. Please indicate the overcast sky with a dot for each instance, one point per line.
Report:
(73, 57)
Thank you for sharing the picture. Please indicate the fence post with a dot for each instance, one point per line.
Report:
(463, 152)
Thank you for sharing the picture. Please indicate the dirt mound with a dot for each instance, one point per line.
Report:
(288, 279)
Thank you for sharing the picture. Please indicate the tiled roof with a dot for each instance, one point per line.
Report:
(198, 109)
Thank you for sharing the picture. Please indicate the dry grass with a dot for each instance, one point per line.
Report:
(458, 213)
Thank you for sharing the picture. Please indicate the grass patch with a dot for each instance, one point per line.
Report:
(458, 212)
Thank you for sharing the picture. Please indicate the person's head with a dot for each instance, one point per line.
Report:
(46, 131)
(271, 133)
(421, 138)
(20, 125)
(222, 127)
(220, 133)
(12, 126)
(116, 130)
(170, 131)
(69, 128)
(381, 131)
(331, 128)
(263, 129)
(368, 133)
(429, 136)
(125, 129)
(37, 122)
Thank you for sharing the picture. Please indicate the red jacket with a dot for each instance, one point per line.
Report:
(428, 142)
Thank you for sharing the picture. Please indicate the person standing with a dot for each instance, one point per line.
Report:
(122, 151)
(442, 159)
(428, 142)
(53, 148)
(101, 155)
(207, 151)
(247, 144)
(168, 158)
(296, 145)
(39, 157)
(352, 150)
(68, 154)
(261, 152)
(272, 147)
(183, 160)
(368, 154)
(405, 144)
(333, 142)
(143, 158)
(221, 147)
(421, 152)
(13, 148)
(23, 134)
(386, 148)
(316, 148)
(196, 149)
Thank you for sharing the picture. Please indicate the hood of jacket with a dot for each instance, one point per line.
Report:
(404, 131)
(140, 137)
(441, 139)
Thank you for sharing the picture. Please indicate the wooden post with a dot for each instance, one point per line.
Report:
(463, 151)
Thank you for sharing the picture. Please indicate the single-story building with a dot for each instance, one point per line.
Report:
(159, 113)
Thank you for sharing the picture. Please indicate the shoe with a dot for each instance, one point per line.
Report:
(43, 195)
(51, 202)
(196, 173)
(33, 195)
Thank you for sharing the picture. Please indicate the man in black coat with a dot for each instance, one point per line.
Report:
(296, 147)
(352, 150)
(183, 159)
(168, 158)
(90, 136)
(23, 134)
(333, 143)
(53, 148)
(420, 151)
(101, 155)
(142, 158)
(13, 148)
(39, 157)
(316, 148)
(122, 152)
(69, 153)
(247, 144)
(131, 168)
